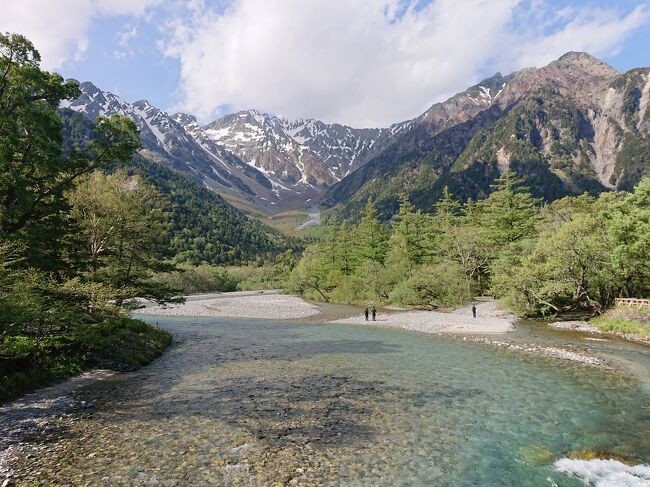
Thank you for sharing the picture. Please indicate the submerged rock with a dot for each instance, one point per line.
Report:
(574, 326)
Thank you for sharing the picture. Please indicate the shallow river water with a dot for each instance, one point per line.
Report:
(238, 402)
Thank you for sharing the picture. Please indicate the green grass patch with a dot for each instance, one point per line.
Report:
(621, 325)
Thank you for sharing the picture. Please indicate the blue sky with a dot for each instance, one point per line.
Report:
(365, 63)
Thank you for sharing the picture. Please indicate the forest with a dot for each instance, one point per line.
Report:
(573, 254)
(76, 243)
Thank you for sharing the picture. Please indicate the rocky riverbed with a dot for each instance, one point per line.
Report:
(240, 403)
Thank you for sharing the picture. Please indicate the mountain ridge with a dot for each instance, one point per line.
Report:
(573, 125)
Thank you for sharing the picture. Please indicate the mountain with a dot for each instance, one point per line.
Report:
(302, 152)
(572, 126)
(203, 227)
(575, 125)
(166, 140)
(268, 161)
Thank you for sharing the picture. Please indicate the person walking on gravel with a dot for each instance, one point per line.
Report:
(474, 310)
(374, 313)
(366, 313)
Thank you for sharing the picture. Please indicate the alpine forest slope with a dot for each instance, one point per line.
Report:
(273, 163)
(203, 227)
(576, 125)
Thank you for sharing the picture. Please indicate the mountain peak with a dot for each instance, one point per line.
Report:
(185, 119)
(144, 104)
(584, 60)
(579, 56)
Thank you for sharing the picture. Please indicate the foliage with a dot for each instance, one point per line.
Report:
(189, 279)
(621, 325)
(590, 252)
(116, 343)
(74, 244)
(123, 223)
(35, 172)
(203, 228)
(442, 285)
(578, 253)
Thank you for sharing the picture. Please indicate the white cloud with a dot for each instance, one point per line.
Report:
(59, 29)
(370, 62)
(124, 38)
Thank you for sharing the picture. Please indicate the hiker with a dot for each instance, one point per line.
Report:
(374, 313)
(366, 313)
(474, 310)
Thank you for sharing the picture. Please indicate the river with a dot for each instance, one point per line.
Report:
(313, 218)
(243, 402)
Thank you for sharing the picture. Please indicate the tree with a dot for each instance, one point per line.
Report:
(566, 269)
(409, 229)
(370, 237)
(311, 273)
(628, 224)
(447, 209)
(34, 170)
(124, 225)
(509, 214)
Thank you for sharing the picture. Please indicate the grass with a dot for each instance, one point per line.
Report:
(625, 319)
(116, 343)
(287, 221)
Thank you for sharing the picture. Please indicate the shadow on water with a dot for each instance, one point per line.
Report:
(186, 382)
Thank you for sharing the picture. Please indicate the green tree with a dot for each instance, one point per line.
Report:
(124, 224)
(409, 231)
(628, 224)
(311, 273)
(509, 214)
(34, 170)
(566, 269)
(370, 237)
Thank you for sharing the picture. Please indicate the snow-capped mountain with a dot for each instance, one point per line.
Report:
(269, 161)
(307, 152)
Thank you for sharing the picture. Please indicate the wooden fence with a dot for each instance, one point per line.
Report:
(639, 303)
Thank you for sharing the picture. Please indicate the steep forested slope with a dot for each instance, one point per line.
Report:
(203, 226)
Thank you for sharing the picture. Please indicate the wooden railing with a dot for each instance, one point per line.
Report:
(639, 303)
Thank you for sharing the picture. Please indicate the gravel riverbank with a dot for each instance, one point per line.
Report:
(489, 319)
(245, 304)
(44, 414)
(275, 306)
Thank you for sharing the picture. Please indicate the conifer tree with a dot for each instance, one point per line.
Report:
(509, 214)
(410, 226)
(370, 237)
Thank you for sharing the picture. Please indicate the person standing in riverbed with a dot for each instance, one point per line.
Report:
(374, 313)
(366, 313)
(474, 310)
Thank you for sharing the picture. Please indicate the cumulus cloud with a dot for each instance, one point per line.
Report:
(370, 62)
(59, 29)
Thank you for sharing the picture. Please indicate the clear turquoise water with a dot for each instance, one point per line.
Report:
(255, 403)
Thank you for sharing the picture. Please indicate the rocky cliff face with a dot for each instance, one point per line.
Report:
(575, 125)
